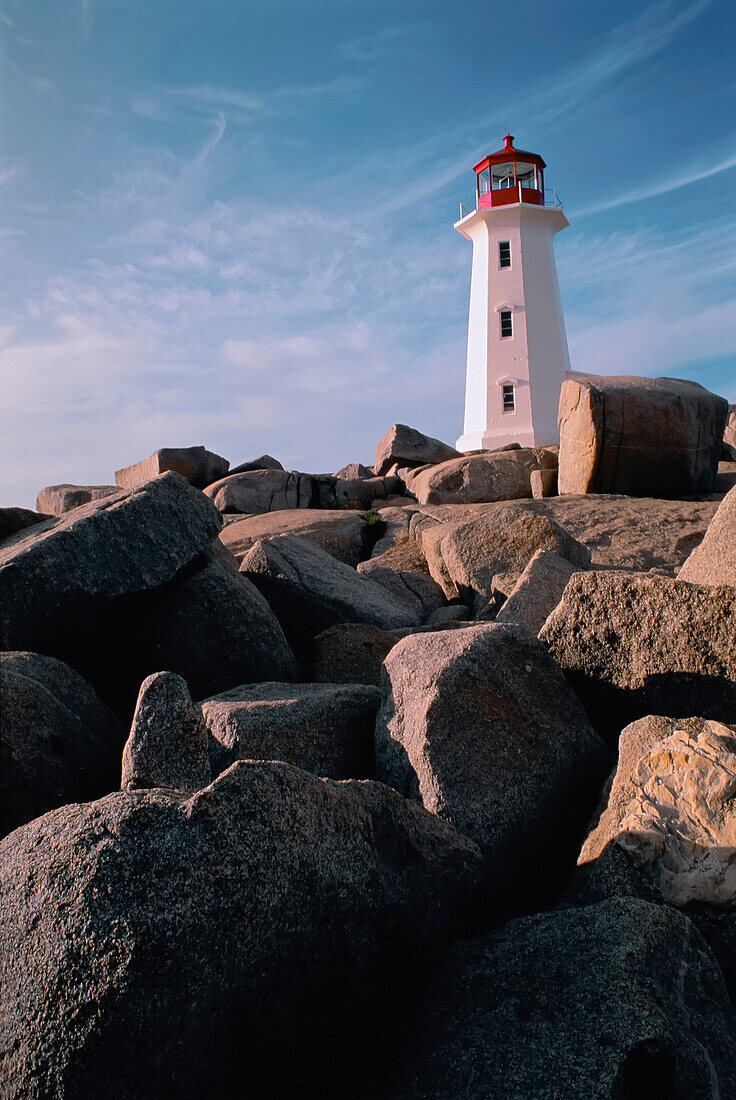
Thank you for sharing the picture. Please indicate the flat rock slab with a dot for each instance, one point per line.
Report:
(309, 591)
(326, 729)
(670, 808)
(199, 466)
(404, 446)
(341, 534)
(479, 725)
(257, 491)
(63, 582)
(231, 943)
(714, 560)
(617, 1000)
(58, 742)
(167, 745)
(499, 475)
(636, 644)
(658, 437)
(57, 499)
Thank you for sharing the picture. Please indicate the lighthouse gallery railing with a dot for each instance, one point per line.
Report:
(549, 198)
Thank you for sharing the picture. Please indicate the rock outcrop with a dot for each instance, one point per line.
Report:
(257, 491)
(403, 446)
(479, 726)
(58, 742)
(637, 644)
(57, 499)
(497, 475)
(199, 466)
(714, 560)
(325, 728)
(538, 591)
(658, 437)
(167, 745)
(246, 940)
(618, 1000)
(342, 534)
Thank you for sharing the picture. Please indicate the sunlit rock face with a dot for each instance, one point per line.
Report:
(672, 808)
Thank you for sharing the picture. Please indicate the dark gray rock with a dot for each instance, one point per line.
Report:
(353, 470)
(199, 466)
(617, 1001)
(341, 533)
(638, 644)
(405, 446)
(65, 585)
(167, 746)
(13, 520)
(658, 437)
(479, 725)
(58, 742)
(326, 729)
(310, 591)
(57, 499)
(351, 653)
(247, 940)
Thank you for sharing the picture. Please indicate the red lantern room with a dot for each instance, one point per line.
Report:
(509, 176)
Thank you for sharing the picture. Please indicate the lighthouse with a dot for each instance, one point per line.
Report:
(517, 347)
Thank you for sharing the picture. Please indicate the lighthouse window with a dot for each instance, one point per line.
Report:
(509, 403)
(504, 254)
(506, 328)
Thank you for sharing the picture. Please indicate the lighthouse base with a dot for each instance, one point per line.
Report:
(494, 439)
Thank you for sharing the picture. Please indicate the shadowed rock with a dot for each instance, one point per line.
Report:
(405, 446)
(57, 499)
(342, 534)
(13, 520)
(247, 940)
(167, 746)
(350, 653)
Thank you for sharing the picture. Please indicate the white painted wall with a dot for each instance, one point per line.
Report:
(535, 357)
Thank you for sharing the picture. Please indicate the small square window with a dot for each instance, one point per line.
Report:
(506, 326)
(509, 400)
(504, 253)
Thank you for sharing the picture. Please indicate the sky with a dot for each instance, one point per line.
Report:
(231, 223)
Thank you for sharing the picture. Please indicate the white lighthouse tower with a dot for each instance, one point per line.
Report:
(517, 348)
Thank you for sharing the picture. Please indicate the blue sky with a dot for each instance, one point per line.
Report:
(231, 223)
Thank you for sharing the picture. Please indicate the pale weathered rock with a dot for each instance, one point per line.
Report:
(466, 557)
(405, 446)
(324, 728)
(58, 742)
(342, 534)
(242, 941)
(729, 433)
(538, 591)
(263, 462)
(658, 437)
(617, 1001)
(670, 808)
(167, 745)
(199, 466)
(543, 483)
(309, 591)
(479, 725)
(57, 499)
(257, 491)
(714, 560)
(350, 653)
(13, 520)
(500, 475)
(353, 470)
(633, 644)
(66, 583)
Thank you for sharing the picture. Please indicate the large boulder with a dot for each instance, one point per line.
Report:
(58, 742)
(66, 583)
(342, 534)
(465, 557)
(479, 725)
(354, 470)
(326, 729)
(404, 446)
(476, 479)
(13, 520)
(669, 808)
(257, 491)
(167, 745)
(403, 570)
(199, 466)
(658, 437)
(350, 653)
(538, 591)
(57, 499)
(263, 462)
(617, 1001)
(729, 434)
(714, 560)
(310, 591)
(247, 940)
(637, 644)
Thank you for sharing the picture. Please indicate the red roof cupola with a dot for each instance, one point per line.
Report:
(509, 176)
